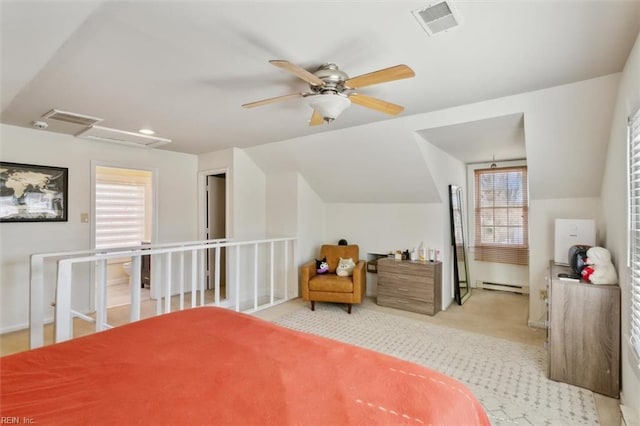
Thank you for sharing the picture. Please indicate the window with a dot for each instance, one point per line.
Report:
(502, 204)
(122, 200)
(634, 228)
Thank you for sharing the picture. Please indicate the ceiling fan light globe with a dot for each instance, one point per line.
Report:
(330, 106)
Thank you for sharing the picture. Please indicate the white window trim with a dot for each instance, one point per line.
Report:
(471, 198)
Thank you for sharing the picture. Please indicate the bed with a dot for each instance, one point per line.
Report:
(214, 366)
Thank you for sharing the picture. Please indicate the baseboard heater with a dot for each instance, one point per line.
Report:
(514, 288)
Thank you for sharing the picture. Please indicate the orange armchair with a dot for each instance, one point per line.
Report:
(330, 287)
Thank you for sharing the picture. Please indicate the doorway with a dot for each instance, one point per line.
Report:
(216, 228)
(122, 216)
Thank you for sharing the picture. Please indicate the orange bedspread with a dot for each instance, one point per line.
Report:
(213, 366)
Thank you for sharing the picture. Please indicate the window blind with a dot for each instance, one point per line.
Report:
(120, 209)
(502, 215)
(634, 229)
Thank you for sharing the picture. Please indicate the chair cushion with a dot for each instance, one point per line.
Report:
(331, 283)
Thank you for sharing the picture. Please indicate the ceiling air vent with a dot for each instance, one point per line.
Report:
(105, 134)
(437, 17)
(71, 117)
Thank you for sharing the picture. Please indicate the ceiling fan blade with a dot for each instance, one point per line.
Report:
(316, 119)
(377, 104)
(381, 76)
(298, 72)
(272, 100)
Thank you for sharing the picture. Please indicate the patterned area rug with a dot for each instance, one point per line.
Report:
(508, 378)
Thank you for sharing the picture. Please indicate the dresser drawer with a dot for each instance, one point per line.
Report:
(407, 279)
(413, 281)
(399, 286)
(406, 304)
(414, 268)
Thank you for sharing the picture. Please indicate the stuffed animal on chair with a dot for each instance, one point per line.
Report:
(345, 267)
(599, 269)
(322, 267)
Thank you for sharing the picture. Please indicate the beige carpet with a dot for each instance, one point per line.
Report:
(509, 378)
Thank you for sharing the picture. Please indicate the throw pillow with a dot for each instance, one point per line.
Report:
(345, 267)
(322, 267)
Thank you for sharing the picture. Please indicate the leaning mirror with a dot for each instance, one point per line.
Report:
(461, 287)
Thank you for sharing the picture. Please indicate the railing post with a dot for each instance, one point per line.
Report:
(286, 268)
(36, 302)
(157, 282)
(167, 283)
(238, 278)
(136, 284)
(101, 294)
(194, 277)
(181, 273)
(203, 275)
(255, 276)
(63, 325)
(271, 273)
(216, 271)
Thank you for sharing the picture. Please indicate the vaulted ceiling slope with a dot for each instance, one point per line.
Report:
(184, 68)
(408, 160)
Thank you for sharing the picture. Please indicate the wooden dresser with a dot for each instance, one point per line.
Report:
(584, 333)
(410, 285)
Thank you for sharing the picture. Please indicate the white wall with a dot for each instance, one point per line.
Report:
(382, 228)
(247, 192)
(614, 212)
(311, 220)
(176, 206)
(249, 198)
(282, 204)
(446, 170)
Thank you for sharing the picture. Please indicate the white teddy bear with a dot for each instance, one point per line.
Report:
(599, 269)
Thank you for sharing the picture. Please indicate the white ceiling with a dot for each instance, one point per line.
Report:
(499, 139)
(184, 68)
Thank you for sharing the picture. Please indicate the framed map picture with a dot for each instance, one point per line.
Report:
(30, 193)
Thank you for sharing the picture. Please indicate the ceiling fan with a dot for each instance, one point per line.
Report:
(331, 90)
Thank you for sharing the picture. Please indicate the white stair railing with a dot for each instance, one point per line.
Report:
(255, 281)
(38, 285)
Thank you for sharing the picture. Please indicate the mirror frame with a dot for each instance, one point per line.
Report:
(455, 194)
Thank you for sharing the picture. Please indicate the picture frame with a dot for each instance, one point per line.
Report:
(33, 193)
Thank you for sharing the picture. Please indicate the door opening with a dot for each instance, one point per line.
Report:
(216, 226)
